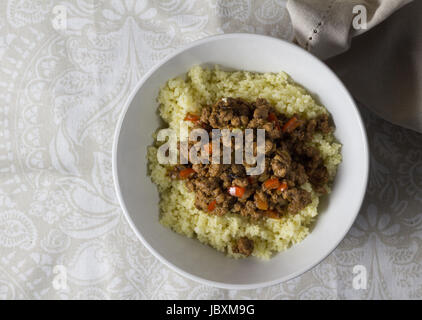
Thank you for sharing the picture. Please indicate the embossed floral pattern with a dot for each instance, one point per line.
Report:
(61, 93)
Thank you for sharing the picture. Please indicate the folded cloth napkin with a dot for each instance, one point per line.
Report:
(382, 65)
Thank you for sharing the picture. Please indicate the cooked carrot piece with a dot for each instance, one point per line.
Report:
(185, 173)
(292, 124)
(211, 205)
(272, 117)
(236, 191)
(191, 117)
(282, 187)
(273, 183)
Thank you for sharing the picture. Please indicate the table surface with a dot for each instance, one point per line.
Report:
(63, 78)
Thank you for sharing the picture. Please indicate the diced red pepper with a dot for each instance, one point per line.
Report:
(292, 124)
(211, 205)
(272, 117)
(236, 191)
(282, 187)
(191, 117)
(273, 183)
(185, 173)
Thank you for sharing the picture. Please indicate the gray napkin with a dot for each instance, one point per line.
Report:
(382, 65)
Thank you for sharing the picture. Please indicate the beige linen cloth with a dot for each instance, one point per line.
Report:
(383, 69)
(62, 91)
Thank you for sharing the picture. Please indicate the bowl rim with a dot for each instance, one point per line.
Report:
(127, 103)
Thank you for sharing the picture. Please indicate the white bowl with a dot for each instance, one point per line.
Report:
(139, 198)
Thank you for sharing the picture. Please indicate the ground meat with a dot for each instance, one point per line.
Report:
(173, 173)
(290, 162)
(238, 170)
(241, 182)
(261, 111)
(271, 130)
(214, 170)
(298, 199)
(257, 123)
(205, 114)
(243, 246)
(281, 163)
(249, 209)
(269, 147)
(319, 177)
(324, 124)
(227, 113)
(301, 175)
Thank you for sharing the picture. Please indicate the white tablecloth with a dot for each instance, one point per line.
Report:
(61, 93)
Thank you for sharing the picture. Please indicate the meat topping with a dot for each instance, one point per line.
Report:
(243, 246)
(290, 162)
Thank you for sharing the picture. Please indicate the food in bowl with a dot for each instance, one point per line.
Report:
(220, 204)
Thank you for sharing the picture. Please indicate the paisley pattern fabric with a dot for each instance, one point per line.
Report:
(61, 93)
